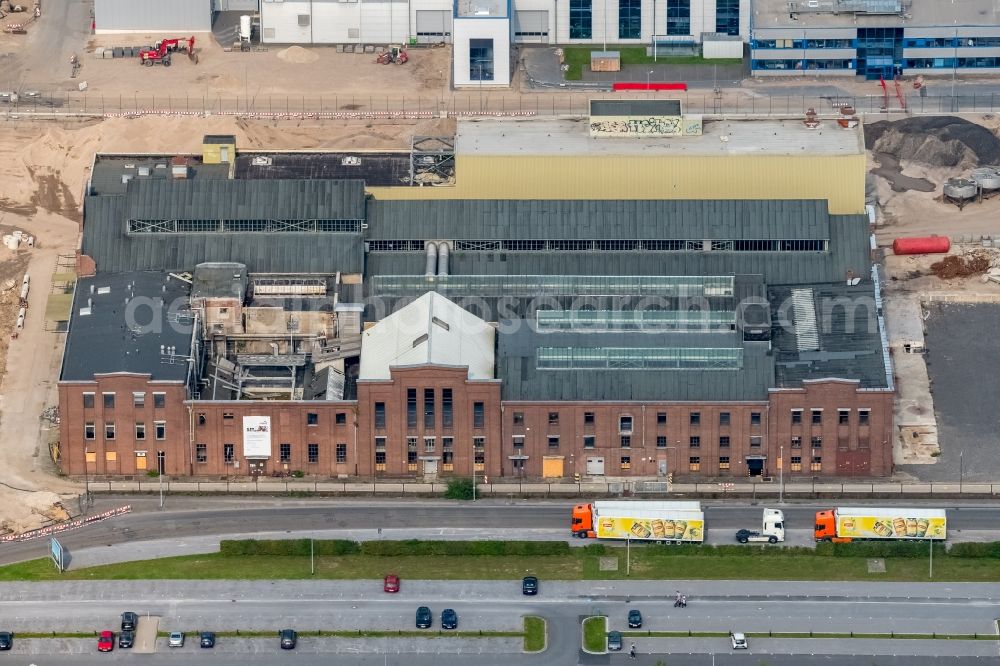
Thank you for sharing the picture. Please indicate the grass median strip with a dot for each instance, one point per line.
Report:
(267, 560)
(812, 634)
(595, 634)
(534, 634)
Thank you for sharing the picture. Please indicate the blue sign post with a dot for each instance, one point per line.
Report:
(58, 554)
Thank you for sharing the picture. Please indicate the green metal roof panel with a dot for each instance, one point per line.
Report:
(635, 219)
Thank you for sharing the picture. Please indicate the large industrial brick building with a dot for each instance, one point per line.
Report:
(241, 321)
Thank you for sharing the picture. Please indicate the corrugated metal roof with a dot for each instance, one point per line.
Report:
(848, 251)
(105, 240)
(850, 346)
(245, 200)
(496, 219)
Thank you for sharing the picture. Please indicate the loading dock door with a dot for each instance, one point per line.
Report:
(433, 25)
(552, 467)
(531, 26)
(755, 465)
(595, 466)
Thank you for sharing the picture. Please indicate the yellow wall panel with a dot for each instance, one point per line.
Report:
(838, 179)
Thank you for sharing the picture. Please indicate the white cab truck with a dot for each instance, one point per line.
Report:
(638, 520)
(773, 529)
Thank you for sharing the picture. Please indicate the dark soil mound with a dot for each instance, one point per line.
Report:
(941, 141)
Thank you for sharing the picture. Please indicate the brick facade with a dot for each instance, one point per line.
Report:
(404, 428)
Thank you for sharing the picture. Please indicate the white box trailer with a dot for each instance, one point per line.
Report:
(892, 523)
(658, 521)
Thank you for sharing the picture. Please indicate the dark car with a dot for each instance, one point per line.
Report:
(288, 639)
(207, 639)
(449, 619)
(129, 620)
(126, 639)
(424, 618)
(614, 641)
(529, 585)
(6, 640)
(634, 619)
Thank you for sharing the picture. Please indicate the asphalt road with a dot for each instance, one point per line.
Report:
(376, 659)
(310, 605)
(192, 516)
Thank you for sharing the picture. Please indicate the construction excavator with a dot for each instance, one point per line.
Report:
(160, 53)
(396, 54)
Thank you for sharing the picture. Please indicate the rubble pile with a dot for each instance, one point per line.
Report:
(974, 262)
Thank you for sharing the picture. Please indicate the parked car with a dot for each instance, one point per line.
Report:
(176, 639)
(529, 585)
(126, 639)
(614, 641)
(106, 641)
(449, 619)
(6, 640)
(129, 621)
(207, 639)
(424, 618)
(739, 641)
(391, 583)
(289, 637)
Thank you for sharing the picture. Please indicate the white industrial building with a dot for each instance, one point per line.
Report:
(157, 16)
(482, 31)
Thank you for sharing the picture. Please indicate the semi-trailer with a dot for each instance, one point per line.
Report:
(844, 524)
(656, 521)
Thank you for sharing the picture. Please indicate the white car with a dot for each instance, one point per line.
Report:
(176, 639)
(739, 641)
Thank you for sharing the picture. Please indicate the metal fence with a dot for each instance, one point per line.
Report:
(485, 102)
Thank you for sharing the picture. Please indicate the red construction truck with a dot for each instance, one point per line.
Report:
(845, 524)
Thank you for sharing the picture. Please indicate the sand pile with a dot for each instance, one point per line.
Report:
(938, 141)
(298, 55)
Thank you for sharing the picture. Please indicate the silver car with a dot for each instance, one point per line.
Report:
(739, 641)
(176, 639)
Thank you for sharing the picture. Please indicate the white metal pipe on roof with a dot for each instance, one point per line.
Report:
(442, 264)
(430, 269)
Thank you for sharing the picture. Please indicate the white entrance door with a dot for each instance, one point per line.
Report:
(595, 466)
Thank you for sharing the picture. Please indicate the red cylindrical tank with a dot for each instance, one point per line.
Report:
(921, 245)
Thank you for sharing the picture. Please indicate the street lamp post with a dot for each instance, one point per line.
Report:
(781, 474)
(954, 68)
(473, 470)
(961, 470)
(86, 479)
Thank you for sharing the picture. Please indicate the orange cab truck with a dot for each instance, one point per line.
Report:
(659, 522)
(845, 524)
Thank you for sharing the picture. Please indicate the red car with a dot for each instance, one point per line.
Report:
(391, 583)
(106, 641)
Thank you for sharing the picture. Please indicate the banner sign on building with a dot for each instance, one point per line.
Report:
(256, 436)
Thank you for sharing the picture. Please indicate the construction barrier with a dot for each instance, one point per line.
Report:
(63, 527)
(629, 85)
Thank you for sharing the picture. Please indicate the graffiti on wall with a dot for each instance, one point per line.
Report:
(651, 126)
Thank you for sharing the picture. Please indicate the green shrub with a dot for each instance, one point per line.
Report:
(874, 549)
(989, 549)
(459, 488)
(595, 549)
(152, 473)
(464, 548)
(288, 547)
